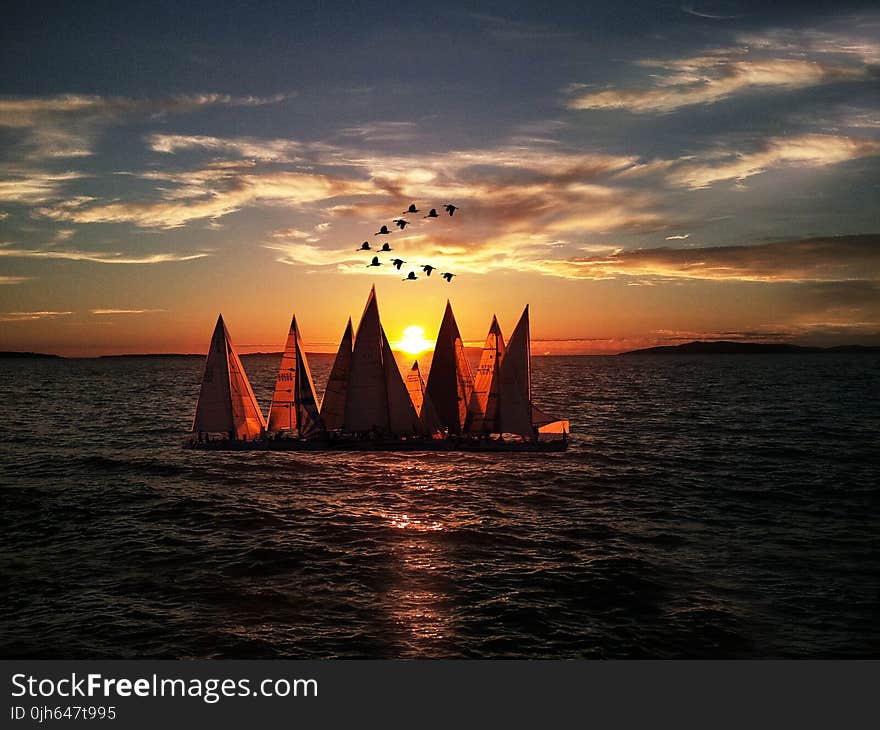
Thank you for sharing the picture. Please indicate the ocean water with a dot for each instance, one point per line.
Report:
(709, 506)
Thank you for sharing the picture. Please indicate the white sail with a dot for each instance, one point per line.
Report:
(450, 381)
(483, 405)
(294, 406)
(366, 403)
(402, 416)
(514, 392)
(226, 401)
(333, 405)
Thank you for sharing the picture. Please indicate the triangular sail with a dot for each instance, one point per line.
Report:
(450, 381)
(333, 405)
(423, 405)
(366, 403)
(402, 416)
(483, 405)
(416, 387)
(226, 401)
(514, 393)
(294, 405)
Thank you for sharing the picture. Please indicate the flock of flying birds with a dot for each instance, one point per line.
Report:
(402, 223)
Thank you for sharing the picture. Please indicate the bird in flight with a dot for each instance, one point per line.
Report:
(401, 223)
(365, 246)
(383, 231)
(432, 213)
(450, 208)
(374, 262)
(427, 268)
(411, 276)
(447, 276)
(398, 263)
(386, 247)
(412, 209)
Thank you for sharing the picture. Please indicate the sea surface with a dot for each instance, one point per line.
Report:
(709, 506)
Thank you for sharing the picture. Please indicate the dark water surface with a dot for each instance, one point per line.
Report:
(709, 506)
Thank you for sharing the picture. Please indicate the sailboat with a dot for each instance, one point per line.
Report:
(333, 405)
(294, 407)
(377, 401)
(227, 404)
(482, 415)
(450, 380)
(369, 405)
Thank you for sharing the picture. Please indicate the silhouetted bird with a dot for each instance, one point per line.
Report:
(365, 246)
(432, 213)
(401, 224)
(398, 263)
(450, 208)
(374, 262)
(427, 268)
(386, 247)
(411, 276)
(448, 277)
(412, 209)
(383, 231)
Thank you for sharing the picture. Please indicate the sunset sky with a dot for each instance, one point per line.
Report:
(639, 173)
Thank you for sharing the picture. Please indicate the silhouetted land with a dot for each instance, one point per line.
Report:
(11, 354)
(725, 347)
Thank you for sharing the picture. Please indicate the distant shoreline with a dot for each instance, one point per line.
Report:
(726, 347)
(697, 347)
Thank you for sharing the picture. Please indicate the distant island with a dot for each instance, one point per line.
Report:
(726, 347)
(13, 354)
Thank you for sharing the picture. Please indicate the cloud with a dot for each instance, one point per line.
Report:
(266, 150)
(29, 316)
(66, 125)
(103, 257)
(382, 131)
(9, 280)
(806, 150)
(213, 194)
(830, 259)
(710, 79)
(26, 187)
(781, 60)
(125, 311)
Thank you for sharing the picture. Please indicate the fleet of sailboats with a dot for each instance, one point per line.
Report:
(369, 404)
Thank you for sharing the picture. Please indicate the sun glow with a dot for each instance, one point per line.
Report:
(413, 341)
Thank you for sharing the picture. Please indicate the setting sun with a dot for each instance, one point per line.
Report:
(413, 340)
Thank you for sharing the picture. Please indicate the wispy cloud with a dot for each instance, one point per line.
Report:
(100, 257)
(66, 125)
(382, 131)
(29, 316)
(759, 62)
(838, 258)
(23, 186)
(806, 150)
(213, 194)
(104, 312)
(9, 280)
(266, 150)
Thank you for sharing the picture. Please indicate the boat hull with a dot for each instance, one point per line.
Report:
(344, 444)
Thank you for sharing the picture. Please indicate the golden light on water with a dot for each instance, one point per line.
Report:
(413, 340)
